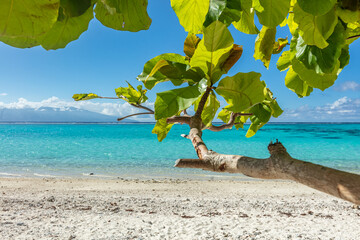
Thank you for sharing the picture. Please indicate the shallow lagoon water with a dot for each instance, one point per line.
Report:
(131, 151)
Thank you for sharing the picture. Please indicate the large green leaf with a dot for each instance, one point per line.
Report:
(169, 103)
(315, 30)
(66, 29)
(321, 81)
(132, 95)
(316, 7)
(210, 108)
(85, 96)
(322, 60)
(150, 80)
(295, 84)
(241, 91)
(264, 45)
(272, 12)
(246, 23)
(161, 128)
(124, 15)
(21, 22)
(225, 11)
(191, 13)
(213, 50)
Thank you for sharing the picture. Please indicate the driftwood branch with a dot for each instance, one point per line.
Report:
(228, 125)
(280, 165)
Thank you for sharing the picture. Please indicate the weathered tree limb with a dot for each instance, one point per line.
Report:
(131, 115)
(280, 165)
(179, 119)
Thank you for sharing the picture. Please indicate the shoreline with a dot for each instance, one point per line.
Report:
(83, 208)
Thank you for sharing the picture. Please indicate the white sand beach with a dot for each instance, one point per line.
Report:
(171, 209)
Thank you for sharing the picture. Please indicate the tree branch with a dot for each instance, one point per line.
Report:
(135, 114)
(355, 36)
(179, 119)
(228, 125)
(202, 103)
(280, 165)
(142, 107)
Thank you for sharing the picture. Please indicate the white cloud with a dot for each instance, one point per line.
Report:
(117, 109)
(342, 110)
(348, 85)
(3, 94)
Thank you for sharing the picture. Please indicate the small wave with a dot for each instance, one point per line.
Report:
(10, 174)
(44, 175)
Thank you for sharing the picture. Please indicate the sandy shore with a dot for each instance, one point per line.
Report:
(170, 209)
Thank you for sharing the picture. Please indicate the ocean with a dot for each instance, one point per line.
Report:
(132, 151)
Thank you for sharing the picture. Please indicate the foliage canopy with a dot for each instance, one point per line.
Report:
(322, 31)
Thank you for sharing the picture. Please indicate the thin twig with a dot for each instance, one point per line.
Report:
(135, 114)
(142, 107)
(228, 125)
(355, 36)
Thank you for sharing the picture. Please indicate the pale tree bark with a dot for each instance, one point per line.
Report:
(280, 165)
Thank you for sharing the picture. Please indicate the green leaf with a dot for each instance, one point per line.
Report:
(276, 110)
(241, 91)
(224, 115)
(21, 22)
(213, 50)
(279, 45)
(322, 60)
(216, 8)
(264, 45)
(261, 115)
(131, 95)
(75, 8)
(124, 15)
(151, 81)
(295, 84)
(315, 30)
(246, 23)
(316, 7)
(225, 11)
(169, 103)
(344, 57)
(210, 108)
(66, 29)
(161, 128)
(85, 96)
(190, 44)
(191, 13)
(273, 12)
(284, 61)
(321, 81)
(348, 16)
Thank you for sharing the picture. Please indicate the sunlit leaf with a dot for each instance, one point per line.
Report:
(273, 12)
(261, 115)
(151, 81)
(296, 84)
(213, 50)
(131, 95)
(85, 96)
(315, 30)
(161, 128)
(191, 13)
(21, 22)
(264, 45)
(241, 91)
(234, 56)
(75, 8)
(168, 103)
(246, 23)
(66, 29)
(316, 7)
(124, 15)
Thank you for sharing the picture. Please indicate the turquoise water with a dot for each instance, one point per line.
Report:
(131, 151)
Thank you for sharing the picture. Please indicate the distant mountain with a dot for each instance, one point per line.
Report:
(50, 114)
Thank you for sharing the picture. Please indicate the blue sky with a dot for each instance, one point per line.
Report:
(102, 59)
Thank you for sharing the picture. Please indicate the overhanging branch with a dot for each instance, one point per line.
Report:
(228, 125)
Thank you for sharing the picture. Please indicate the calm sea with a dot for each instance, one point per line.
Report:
(131, 151)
